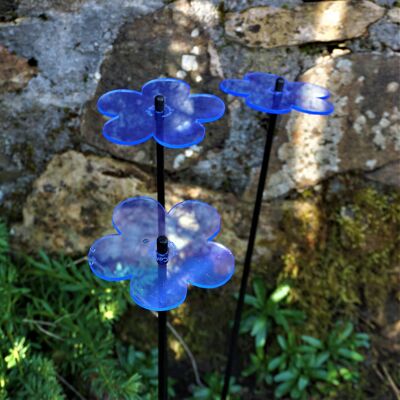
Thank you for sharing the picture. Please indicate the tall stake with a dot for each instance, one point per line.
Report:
(162, 249)
(250, 245)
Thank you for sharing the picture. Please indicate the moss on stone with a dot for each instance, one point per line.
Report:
(340, 252)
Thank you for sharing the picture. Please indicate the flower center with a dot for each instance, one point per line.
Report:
(167, 111)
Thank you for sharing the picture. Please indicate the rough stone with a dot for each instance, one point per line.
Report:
(325, 21)
(8, 10)
(170, 42)
(385, 34)
(360, 134)
(15, 72)
(388, 174)
(67, 43)
(394, 15)
(72, 201)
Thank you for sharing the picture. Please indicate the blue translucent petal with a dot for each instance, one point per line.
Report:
(191, 221)
(134, 119)
(192, 257)
(258, 88)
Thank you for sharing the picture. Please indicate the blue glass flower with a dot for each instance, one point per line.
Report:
(258, 88)
(159, 283)
(133, 116)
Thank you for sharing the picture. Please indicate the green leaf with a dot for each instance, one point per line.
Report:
(287, 375)
(282, 342)
(259, 290)
(261, 338)
(312, 341)
(321, 358)
(251, 300)
(347, 331)
(350, 354)
(280, 293)
(276, 362)
(303, 383)
(260, 325)
(283, 389)
(295, 393)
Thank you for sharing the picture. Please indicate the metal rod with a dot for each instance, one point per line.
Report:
(162, 245)
(250, 245)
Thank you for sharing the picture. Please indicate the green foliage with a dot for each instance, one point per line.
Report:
(56, 332)
(300, 366)
(266, 311)
(213, 388)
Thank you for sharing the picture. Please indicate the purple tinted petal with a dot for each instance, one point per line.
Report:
(138, 217)
(262, 80)
(236, 87)
(180, 130)
(207, 266)
(116, 257)
(117, 101)
(192, 221)
(175, 91)
(259, 90)
(204, 107)
(313, 105)
(159, 290)
(128, 131)
(270, 102)
(131, 123)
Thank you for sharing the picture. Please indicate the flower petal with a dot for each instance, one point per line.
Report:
(131, 123)
(180, 130)
(175, 91)
(204, 107)
(263, 80)
(117, 257)
(236, 87)
(158, 290)
(208, 265)
(192, 221)
(138, 218)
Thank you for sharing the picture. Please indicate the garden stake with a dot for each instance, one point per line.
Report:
(161, 252)
(250, 244)
(272, 94)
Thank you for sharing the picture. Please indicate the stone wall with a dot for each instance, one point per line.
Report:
(60, 179)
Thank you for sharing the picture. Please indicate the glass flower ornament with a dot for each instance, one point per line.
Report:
(159, 281)
(259, 90)
(133, 119)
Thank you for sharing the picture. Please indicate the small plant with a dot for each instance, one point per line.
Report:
(309, 366)
(56, 334)
(213, 388)
(303, 365)
(265, 312)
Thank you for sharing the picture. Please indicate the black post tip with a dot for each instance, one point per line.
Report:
(162, 245)
(280, 82)
(159, 102)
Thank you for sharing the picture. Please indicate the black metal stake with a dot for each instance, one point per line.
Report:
(162, 248)
(250, 245)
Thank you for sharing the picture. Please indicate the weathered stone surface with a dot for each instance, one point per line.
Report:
(394, 15)
(68, 46)
(361, 134)
(170, 42)
(72, 201)
(325, 21)
(8, 10)
(15, 72)
(388, 174)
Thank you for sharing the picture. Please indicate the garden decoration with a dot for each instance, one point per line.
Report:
(161, 252)
(274, 95)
